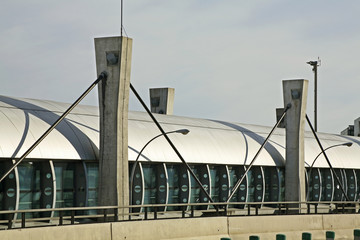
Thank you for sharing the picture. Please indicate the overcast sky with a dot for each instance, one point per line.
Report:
(226, 59)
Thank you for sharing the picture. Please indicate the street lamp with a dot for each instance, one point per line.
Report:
(182, 131)
(315, 65)
(348, 144)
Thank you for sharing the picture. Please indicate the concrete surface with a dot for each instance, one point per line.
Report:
(162, 100)
(214, 228)
(295, 93)
(113, 55)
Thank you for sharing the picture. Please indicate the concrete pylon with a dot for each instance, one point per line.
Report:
(162, 100)
(113, 55)
(295, 93)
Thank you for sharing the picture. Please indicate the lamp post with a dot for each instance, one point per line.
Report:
(315, 65)
(348, 144)
(182, 131)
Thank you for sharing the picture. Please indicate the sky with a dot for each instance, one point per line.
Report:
(226, 59)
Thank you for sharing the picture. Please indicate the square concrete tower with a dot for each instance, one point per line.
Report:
(113, 55)
(162, 100)
(295, 94)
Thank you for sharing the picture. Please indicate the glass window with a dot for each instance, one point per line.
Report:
(351, 184)
(92, 176)
(326, 184)
(92, 173)
(357, 172)
(251, 187)
(174, 188)
(195, 188)
(7, 188)
(235, 174)
(271, 184)
(29, 182)
(65, 184)
(31, 197)
(258, 183)
(215, 183)
(162, 185)
(197, 195)
(233, 179)
(136, 195)
(150, 184)
(314, 190)
(338, 194)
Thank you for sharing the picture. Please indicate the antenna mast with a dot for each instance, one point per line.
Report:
(315, 65)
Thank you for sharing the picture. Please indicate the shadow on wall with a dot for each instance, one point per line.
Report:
(274, 153)
(73, 134)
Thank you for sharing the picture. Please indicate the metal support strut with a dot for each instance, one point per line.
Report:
(172, 145)
(257, 154)
(102, 76)
(327, 159)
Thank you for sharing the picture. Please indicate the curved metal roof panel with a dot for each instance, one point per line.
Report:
(23, 121)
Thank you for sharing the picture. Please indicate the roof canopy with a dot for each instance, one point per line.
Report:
(23, 121)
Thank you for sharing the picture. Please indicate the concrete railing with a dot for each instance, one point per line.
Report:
(209, 228)
(83, 215)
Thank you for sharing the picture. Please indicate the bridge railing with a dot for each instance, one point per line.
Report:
(81, 215)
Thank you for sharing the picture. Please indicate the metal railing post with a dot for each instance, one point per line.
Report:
(72, 217)
(60, 218)
(22, 220)
(10, 218)
(155, 212)
(308, 207)
(279, 205)
(336, 208)
(116, 214)
(105, 215)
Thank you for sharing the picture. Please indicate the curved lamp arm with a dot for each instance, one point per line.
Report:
(348, 144)
(182, 131)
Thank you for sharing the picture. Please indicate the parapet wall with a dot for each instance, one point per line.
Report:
(198, 228)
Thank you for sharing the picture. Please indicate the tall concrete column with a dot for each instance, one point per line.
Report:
(162, 100)
(295, 93)
(113, 55)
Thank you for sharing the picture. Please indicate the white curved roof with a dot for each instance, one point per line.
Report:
(23, 121)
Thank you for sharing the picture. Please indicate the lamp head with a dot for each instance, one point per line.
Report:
(312, 63)
(183, 131)
(349, 144)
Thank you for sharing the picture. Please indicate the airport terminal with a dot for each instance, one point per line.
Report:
(109, 156)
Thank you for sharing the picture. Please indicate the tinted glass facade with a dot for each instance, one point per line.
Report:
(58, 184)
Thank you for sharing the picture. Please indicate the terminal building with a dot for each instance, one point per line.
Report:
(352, 130)
(63, 170)
(109, 156)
